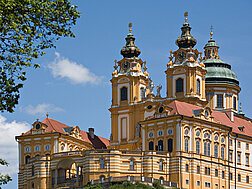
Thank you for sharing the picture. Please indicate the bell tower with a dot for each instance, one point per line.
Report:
(186, 74)
(222, 85)
(130, 82)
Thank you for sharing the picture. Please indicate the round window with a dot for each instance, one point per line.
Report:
(198, 133)
(149, 107)
(47, 147)
(151, 134)
(169, 131)
(160, 133)
(62, 148)
(161, 109)
(206, 113)
(205, 135)
(27, 149)
(216, 137)
(186, 131)
(37, 148)
(38, 126)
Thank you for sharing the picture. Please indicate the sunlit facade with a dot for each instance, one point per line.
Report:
(193, 137)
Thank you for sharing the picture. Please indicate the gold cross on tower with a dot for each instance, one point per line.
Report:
(130, 25)
(211, 33)
(186, 14)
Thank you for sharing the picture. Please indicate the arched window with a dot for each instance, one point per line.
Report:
(102, 163)
(234, 103)
(142, 93)
(208, 148)
(205, 148)
(216, 151)
(222, 153)
(33, 170)
(197, 147)
(124, 93)
(151, 145)
(198, 86)
(160, 145)
(170, 145)
(102, 178)
(27, 159)
(208, 54)
(186, 145)
(179, 85)
(161, 165)
(132, 166)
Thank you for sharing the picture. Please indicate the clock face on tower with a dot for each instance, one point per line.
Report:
(125, 65)
(181, 56)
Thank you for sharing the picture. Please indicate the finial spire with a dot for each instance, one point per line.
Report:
(130, 25)
(211, 33)
(185, 15)
(47, 114)
(240, 112)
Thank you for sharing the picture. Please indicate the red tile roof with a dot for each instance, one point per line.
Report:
(56, 126)
(186, 109)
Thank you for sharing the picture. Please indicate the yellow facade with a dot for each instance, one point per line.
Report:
(194, 137)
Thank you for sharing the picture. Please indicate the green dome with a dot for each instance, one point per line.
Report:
(219, 71)
(211, 43)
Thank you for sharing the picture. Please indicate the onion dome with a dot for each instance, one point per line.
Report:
(218, 71)
(186, 40)
(130, 49)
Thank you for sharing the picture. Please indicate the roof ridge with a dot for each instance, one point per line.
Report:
(175, 102)
(51, 123)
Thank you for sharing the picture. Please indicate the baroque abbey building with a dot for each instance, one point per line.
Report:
(194, 137)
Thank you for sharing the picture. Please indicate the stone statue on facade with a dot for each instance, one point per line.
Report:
(159, 87)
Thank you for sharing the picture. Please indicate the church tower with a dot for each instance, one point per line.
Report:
(185, 75)
(222, 85)
(130, 82)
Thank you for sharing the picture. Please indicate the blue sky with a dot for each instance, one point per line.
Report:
(73, 83)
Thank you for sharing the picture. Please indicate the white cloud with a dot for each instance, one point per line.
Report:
(9, 146)
(41, 109)
(62, 67)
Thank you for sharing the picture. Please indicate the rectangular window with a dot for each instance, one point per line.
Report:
(208, 171)
(198, 183)
(216, 172)
(132, 164)
(247, 146)
(239, 144)
(230, 176)
(205, 170)
(239, 178)
(102, 163)
(247, 179)
(247, 160)
(186, 168)
(231, 142)
(219, 101)
(239, 158)
(231, 156)
(198, 169)
(187, 181)
(223, 174)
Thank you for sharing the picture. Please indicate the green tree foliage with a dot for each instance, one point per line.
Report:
(27, 28)
(4, 179)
